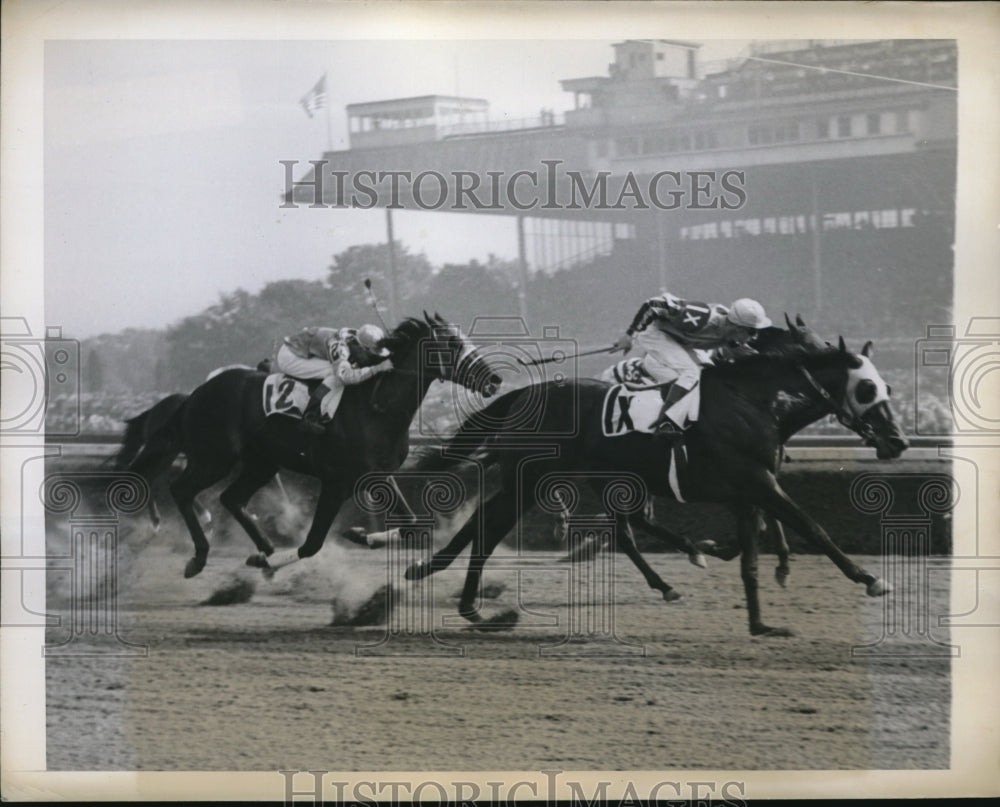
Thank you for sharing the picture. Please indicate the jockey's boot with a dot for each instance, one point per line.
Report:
(664, 426)
(314, 413)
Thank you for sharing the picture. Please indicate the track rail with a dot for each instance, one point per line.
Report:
(825, 448)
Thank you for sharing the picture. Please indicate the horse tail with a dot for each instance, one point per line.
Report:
(133, 441)
(161, 418)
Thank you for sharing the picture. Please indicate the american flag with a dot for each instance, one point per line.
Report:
(315, 98)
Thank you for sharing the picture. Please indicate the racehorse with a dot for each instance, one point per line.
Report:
(140, 428)
(749, 409)
(767, 341)
(223, 424)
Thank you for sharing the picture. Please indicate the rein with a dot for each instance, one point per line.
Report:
(844, 416)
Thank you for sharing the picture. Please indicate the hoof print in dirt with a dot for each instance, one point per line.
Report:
(374, 611)
(232, 593)
(490, 591)
(503, 621)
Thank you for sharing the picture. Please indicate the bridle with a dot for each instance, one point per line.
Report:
(843, 413)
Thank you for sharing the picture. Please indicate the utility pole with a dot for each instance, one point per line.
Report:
(392, 265)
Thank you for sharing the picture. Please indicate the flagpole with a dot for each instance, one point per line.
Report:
(329, 117)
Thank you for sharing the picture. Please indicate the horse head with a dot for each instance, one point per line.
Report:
(866, 399)
(439, 350)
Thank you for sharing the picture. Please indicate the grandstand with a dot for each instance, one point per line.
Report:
(848, 150)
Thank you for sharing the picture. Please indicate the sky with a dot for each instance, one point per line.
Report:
(162, 173)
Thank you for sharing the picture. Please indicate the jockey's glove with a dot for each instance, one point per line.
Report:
(624, 343)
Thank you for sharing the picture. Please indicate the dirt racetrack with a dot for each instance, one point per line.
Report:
(268, 684)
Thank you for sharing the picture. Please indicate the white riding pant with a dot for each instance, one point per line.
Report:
(289, 362)
(668, 360)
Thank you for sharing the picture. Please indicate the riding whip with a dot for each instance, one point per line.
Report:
(587, 352)
(373, 302)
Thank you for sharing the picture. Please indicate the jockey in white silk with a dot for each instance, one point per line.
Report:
(676, 337)
(339, 357)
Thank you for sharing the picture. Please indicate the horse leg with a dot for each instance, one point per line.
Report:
(253, 477)
(331, 497)
(778, 504)
(500, 514)
(152, 461)
(443, 558)
(194, 479)
(671, 539)
(625, 541)
(747, 528)
(154, 511)
(772, 525)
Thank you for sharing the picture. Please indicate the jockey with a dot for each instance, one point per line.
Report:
(673, 332)
(339, 357)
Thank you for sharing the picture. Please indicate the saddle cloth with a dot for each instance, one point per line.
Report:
(284, 395)
(628, 410)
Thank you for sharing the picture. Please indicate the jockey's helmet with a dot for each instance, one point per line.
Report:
(369, 336)
(748, 313)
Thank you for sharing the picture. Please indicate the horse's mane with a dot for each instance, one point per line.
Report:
(405, 334)
(778, 359)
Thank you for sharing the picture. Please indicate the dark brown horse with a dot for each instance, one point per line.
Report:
(222, 425)
(749, 409)
(768, 341)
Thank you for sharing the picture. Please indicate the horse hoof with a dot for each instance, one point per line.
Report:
(670, 595)
(698, 559)
(258, 561)
(356, 535)
(418, 570)
(767, 630)
(878, 588)
(781, 576)
(708, 546)
(194, 566)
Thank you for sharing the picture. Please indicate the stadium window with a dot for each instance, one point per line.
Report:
(886, 219)
(626, 146)
(906, 217)
(726, 228)
(844, 126)
(710, 230)
(902, 121)
(823, 128)
(770, 225)
(874, 123)
(786, 225)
